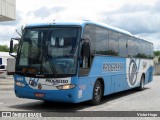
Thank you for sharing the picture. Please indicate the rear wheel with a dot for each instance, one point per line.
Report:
(141, 87)
(97, 93)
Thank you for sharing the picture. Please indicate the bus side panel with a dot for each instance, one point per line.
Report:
(85, 88)
(119, 74)
(135, 68)
(108, 85)
(112, 84)
(109, 68)
(103, 67)
(120, 83)
(149, 73)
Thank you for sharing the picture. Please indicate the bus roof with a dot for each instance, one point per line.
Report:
(78, 23)
(82, 23)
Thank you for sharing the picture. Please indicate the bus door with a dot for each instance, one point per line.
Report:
(85, 58)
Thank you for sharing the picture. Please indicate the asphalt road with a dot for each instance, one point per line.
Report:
(131, 100)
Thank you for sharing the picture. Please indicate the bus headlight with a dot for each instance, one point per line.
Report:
(65, 87)
(19, 84)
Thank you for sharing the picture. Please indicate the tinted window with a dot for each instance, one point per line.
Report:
(123, 52)
(89, 32)
(113, 42)
(108, 42)
(143, 47)
(151, 51)
(147, 51)
(101, 36)
(137, 47)
(131, 47)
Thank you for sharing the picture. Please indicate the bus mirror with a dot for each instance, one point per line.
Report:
(85, 49)
(14, 46)
(11, 46)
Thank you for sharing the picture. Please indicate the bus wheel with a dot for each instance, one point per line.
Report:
(97, 93)
(141, 87)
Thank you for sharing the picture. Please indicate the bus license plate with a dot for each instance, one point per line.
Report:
(39, 94)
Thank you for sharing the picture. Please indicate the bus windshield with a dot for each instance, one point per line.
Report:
(48, 51)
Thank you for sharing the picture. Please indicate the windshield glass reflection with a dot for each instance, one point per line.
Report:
(48, 51)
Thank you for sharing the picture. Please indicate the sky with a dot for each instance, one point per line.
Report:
(140, 17)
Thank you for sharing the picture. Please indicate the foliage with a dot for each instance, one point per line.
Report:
(4, 48)
(157, 53)
(159, 59)
(141, 55)
(109, 52)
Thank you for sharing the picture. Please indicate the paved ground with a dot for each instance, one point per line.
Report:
(132, 100)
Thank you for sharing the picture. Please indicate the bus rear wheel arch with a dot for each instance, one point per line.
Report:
(142, 82)
(98, 92)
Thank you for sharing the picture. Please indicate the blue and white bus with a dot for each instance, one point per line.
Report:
(79, 61)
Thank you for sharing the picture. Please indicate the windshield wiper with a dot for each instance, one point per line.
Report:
(49, 59)
(52, 66)
(45, 55)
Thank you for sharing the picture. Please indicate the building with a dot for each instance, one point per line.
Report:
(4, 56)
(7, 10)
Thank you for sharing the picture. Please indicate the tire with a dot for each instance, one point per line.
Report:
(97, 93)
(141, 87)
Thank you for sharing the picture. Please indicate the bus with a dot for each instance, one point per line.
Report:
(79, 61)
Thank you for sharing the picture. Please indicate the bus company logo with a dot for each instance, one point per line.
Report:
(33, 82)
(132, 72)
(113, 67)
(56, 81)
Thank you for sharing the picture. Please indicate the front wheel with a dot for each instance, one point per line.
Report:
(97, 93)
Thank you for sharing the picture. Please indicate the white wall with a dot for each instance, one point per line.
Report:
(4, 56)
(7, 10)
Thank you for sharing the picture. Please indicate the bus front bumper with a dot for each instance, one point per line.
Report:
(47, 95)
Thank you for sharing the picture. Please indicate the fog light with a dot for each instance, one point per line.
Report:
(65, 87)
(19, 84)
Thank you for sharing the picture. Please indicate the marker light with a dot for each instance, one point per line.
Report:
(65, 87)
(19, 84)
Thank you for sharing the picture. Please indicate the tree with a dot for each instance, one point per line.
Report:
(4, 48)
(157, 54)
